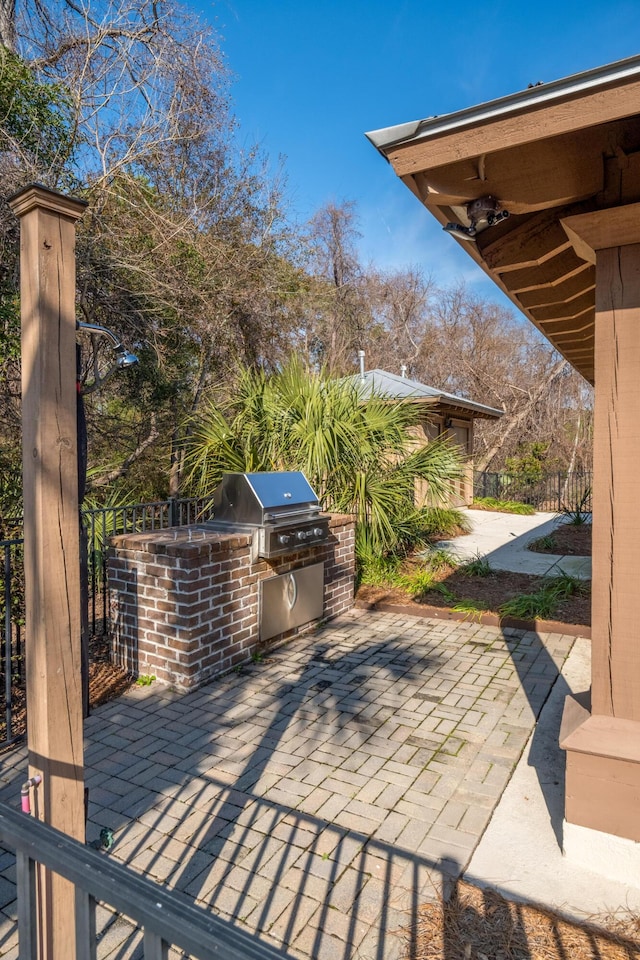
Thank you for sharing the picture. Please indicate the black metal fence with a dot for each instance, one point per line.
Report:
(99, 526)
(102, 524)
(553, 492)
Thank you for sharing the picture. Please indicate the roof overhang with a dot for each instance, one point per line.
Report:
(545, 154)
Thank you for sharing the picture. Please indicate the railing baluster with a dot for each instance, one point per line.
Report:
(85, 926)
(103, 572)
(7, 639)
(155, 948)
(27, 908)
(91, 549)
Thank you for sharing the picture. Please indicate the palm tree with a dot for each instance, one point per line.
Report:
(358, 454)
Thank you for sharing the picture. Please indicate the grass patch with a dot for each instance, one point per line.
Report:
(542, 604)
(379, 571)
(548, 542)
(530, 606)
(438, 558)
(416, 583)
(478, 567)
(472, 608)
(503, 506)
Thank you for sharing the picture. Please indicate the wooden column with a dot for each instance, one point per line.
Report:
(51, 537)
(603, 746)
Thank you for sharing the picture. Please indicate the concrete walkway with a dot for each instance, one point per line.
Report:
(503, 539)
(520, 854)
(318, 797)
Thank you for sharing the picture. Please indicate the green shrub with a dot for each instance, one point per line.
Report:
(576, 513)
(542, 604)
(443, 522)
(503, 506)
(543, 543)
(530, 606)
(478, 567)
(417, 583)
(437, 558)
(358, 453)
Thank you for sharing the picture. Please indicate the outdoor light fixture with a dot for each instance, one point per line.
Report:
(483, 210)
(123, 357)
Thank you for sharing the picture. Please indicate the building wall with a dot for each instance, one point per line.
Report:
(461, 432)
(184, 601)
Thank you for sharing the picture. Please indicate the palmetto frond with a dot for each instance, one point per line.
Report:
(359, 455)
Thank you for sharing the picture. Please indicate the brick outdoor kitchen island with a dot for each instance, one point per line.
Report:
(185, 602)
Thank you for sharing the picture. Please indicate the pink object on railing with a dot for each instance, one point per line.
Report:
(24, 792)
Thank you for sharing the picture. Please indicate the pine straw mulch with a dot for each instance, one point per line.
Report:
(475, 924)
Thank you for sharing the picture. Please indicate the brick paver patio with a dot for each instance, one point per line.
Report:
(318, 796)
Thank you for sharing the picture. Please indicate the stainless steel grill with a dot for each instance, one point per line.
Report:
(279, 508)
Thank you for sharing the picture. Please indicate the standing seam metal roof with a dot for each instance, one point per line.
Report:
(395, 387)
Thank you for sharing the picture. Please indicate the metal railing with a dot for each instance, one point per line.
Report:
(103, 523)
(553, 492)
(165, 919)
(12, 631)
(99, 526)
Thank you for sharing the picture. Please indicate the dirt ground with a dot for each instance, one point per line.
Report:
(478, 924)
(491, 591)
(568, 540)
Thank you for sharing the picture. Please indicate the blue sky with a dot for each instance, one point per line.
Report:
(311, 76)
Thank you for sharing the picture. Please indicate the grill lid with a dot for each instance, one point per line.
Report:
(265, 497)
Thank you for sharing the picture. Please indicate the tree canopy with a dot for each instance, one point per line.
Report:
(188, 253)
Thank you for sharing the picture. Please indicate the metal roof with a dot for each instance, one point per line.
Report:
(390, 385)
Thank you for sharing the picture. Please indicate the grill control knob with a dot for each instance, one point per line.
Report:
(301, 535)
(283, 539)
(318, 532)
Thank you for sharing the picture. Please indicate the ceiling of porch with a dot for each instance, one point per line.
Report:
(545, 154)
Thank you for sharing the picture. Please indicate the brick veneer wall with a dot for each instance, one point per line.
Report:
(184, 601)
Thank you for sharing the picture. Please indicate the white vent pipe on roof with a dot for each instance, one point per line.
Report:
(361, 359)
(403, 371)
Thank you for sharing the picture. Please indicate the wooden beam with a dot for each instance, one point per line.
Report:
(554, 327)
(622, 179)
(538, 176)
(603, 753)
(562, 290)
(602, 229)
(51, 537)
(570, 310)
(531, 241)
(554, 270)
(524, 126)
(572, 342)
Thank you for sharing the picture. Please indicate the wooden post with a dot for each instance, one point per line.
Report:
(51, 537)
(603, 746)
